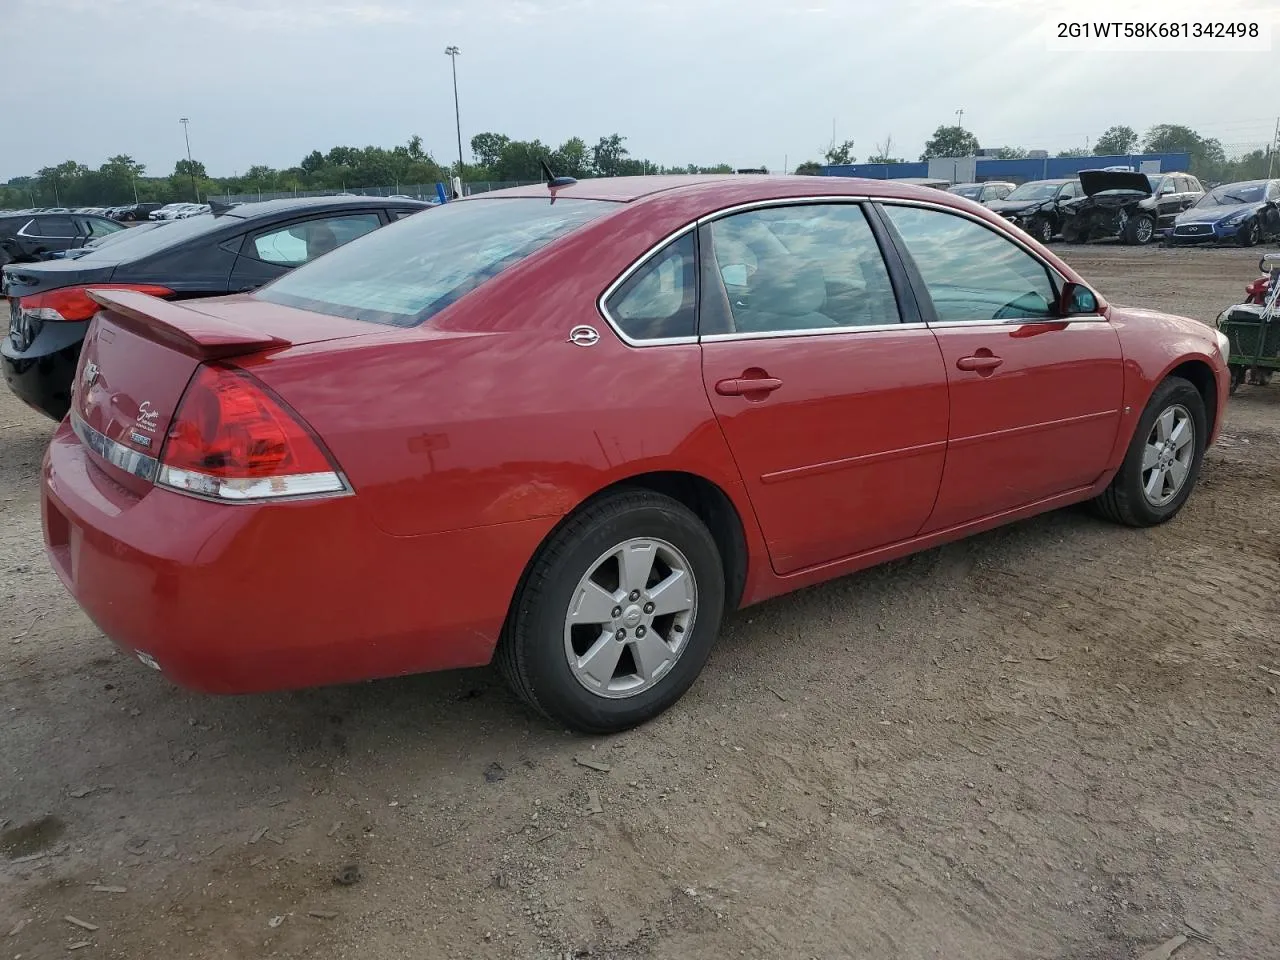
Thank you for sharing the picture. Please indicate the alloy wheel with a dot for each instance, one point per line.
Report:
(630, 617)
(1168, 455)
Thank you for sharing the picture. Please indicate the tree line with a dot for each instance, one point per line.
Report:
(495, 157)
(1208, 157)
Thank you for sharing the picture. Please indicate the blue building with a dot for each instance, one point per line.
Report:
(964, 169)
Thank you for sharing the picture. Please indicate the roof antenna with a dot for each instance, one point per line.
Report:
(552, 180)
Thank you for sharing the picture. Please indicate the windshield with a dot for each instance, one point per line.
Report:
(1035, 191)
(408, 272)
(971, 190)
(1233, 193)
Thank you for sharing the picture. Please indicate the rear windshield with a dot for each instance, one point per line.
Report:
(409, 271)
(140, 243)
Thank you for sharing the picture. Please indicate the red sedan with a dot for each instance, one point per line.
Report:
(568, 427)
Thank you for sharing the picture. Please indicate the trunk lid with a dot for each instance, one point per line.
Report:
(1097, 181)
(140, 353)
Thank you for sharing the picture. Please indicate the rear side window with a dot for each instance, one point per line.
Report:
(411, 270)
(54, 227)
(660, 299)
(300, 243)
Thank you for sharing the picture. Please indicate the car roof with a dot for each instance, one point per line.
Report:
(262, 208)
(717, 189)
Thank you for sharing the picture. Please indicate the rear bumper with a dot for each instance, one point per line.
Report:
(232, 598)
(42, 375)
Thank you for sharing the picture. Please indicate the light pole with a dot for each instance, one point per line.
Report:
(452, 53)
(191, 167)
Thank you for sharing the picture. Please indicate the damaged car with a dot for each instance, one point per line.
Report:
(1245, 213)
(1128, 206)
(1036, 207)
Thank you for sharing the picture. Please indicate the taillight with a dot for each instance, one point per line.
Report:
(233, 440)
(73, 303)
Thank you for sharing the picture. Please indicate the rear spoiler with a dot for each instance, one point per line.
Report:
(186, 330)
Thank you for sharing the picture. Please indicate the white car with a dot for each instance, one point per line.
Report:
(193, 210)
(170, 211)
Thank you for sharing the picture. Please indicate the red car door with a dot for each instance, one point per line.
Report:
(835, 410)
(1036, 397)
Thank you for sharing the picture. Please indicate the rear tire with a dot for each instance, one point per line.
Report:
(1137, 497)
(549, 648)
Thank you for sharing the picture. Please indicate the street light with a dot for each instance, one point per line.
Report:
(191, 167)
(452, 53)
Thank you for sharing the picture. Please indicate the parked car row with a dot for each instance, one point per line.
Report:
(1136, 208)
(27, 237)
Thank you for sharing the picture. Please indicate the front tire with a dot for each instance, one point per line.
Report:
(617, 615)
(1139, 230)
(1250, 233)
(1041, 229)
(1163, 462)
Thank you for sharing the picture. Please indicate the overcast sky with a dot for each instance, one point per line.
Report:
(746, 82)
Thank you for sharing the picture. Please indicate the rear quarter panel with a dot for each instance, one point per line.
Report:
(487, 414)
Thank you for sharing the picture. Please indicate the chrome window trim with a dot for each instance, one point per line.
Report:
(115, 453)
(32, 236)
(1052, 270)
(813, 332)
(639, 262)
(842, 198)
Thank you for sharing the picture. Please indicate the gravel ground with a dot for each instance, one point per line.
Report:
(1057, 740)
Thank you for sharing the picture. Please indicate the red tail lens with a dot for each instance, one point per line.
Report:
(73, 303)
(231, 439)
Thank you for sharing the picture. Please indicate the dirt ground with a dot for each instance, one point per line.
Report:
(1058, 740)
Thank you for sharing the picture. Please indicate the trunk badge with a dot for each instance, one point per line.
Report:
(584, 336)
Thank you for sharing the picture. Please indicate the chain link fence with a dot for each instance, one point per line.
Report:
(415, 191)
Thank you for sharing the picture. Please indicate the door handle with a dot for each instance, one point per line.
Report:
(741, 386)
(982, 363)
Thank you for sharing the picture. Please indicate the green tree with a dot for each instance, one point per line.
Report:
(571, 159)
(1207, 156)
(488, 147)
(608, 154)
(1073, 152)
(1116, 141)
(1011, 153)
(810, 168)
(840, 153)
(950, 141)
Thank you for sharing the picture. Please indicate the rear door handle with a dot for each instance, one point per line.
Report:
(980, 363)
(738, 386)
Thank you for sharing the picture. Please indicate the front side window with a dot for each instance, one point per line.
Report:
(660, 299)
(411, 270)
(300, 243)
(803, 267)
(971, 272)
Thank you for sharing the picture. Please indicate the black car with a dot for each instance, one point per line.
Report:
(37, 236)
(228, 251)
(1129, 206)
(1037, 206)
(135, 212)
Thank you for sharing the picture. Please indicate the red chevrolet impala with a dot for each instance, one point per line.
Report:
(569, 427)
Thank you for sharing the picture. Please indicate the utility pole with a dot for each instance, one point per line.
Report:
(1275, 145)
(960, 117)
(191, 167)
(452, 53)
